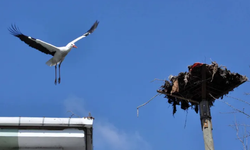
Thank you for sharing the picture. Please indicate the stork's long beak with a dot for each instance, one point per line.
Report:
(74, 46)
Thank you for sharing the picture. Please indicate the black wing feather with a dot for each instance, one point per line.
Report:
(92, 29)
(14, 30)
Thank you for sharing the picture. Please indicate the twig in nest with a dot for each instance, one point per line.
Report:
(221, 66)
(215, 69)
(186, 79)
(198, 82)
(158, 80)
(178, 97)
(186, 119)
(146, 103)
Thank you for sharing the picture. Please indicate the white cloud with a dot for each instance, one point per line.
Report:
(110, 137)
(106, 134)
(76, 105)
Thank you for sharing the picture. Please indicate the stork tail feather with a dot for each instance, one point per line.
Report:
(51, 62)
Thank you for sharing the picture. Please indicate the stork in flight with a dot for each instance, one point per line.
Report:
(58, 53)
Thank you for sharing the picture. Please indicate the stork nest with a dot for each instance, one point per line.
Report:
(186, 88)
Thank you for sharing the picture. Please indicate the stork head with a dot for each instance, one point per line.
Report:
(71, 45)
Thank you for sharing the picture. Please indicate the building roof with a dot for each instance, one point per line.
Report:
(45, 133)
(45, 122)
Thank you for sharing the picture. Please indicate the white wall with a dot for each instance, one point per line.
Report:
(67, 139)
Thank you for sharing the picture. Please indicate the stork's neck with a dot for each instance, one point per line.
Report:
(69, 46)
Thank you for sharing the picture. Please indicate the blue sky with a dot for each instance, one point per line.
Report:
(110, 72)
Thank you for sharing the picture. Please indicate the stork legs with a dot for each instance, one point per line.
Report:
(55, 74)
(59, 79)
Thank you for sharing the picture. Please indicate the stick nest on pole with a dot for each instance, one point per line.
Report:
(185, 89)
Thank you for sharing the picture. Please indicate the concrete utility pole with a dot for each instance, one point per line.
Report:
(205, 115)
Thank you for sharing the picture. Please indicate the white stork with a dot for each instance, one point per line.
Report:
(58, 53)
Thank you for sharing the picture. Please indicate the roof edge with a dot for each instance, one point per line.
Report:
(46, 121)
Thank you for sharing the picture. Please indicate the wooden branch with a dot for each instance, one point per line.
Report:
(231, 106)
(244, 125)
(146, 103)
(72, 114)
(238, 137)
(158, 80)
(238, 99)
